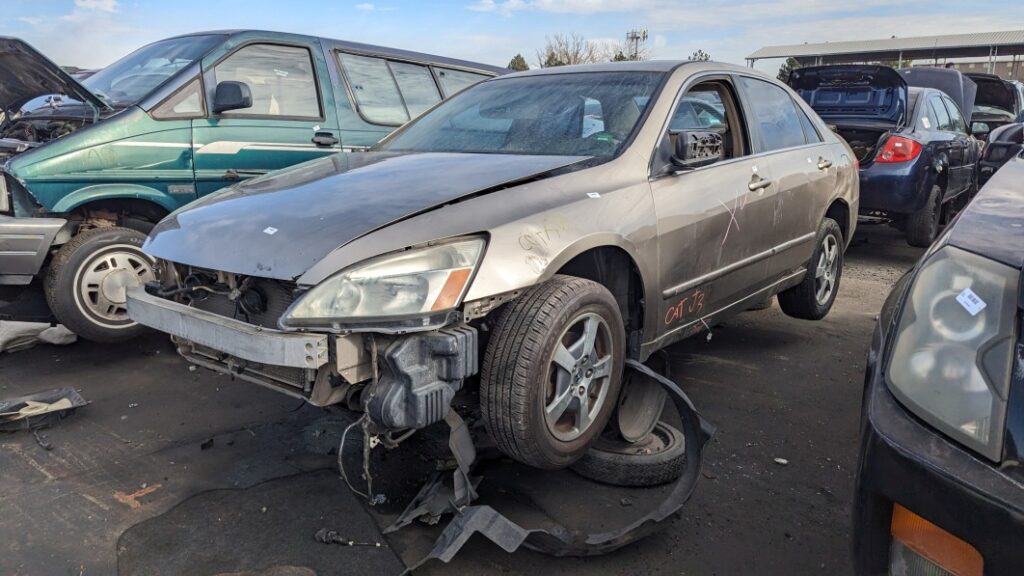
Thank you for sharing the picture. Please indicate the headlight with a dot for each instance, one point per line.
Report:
(954, 347)
(416, 282)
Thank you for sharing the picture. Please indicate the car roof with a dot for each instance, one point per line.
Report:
(636, 66)
(335, 44)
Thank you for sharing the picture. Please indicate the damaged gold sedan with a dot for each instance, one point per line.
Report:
(523, 240)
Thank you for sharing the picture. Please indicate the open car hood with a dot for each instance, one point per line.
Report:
(26, 74)
(995, 92)
(280, 225)
(956, 85)
(853, 92)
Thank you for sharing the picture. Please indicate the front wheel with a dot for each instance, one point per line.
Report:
(552, 371)
(812, 298)
(89, 277)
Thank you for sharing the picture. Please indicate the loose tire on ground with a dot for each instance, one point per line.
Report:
(923, 225)
(525, 371)
(812, 298)
(87, 278)
(656, 460)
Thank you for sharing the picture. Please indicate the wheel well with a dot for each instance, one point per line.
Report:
(840, 212)
(130, 212)
(613, 268)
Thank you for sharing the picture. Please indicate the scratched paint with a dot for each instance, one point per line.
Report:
(539, 238)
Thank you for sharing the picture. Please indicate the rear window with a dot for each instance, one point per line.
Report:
(775, 114)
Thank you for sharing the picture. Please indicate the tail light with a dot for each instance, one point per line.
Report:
(898, 149)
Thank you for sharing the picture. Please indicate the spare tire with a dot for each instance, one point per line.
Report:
(655, 460)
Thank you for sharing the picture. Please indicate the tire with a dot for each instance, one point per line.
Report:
(811, 299)
(520, 379)
(656, 460)
(87, 278)
(923, 225)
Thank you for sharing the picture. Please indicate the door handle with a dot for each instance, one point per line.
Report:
(759, 184)
(824, 164)
(325, 139)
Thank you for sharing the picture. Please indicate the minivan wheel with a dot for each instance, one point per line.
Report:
(89, 277)
(923, 225)
(812, 298)
(552, 371)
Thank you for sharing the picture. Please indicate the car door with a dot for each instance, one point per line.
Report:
(945, 144)
(711, 220)
(963, 145)
(801, 166)
(292, 118)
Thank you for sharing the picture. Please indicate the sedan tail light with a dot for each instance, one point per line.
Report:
(898, 149)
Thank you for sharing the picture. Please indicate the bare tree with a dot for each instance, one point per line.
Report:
(562, 50)
(700, 56)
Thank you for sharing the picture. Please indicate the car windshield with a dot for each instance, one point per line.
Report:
(584, 114)
(131, 78)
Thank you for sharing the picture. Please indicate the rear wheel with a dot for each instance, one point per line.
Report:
(923, 225)
(552, 371)
(812, 298)
(89, 277)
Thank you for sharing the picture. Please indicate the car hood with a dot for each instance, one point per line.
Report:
(995, 92)
(853, 92)
(991, 223)
(26, 74)
(280, 225)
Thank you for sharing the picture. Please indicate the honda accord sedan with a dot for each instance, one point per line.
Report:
(514, 245)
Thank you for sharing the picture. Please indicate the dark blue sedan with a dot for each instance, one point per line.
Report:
(906, 128)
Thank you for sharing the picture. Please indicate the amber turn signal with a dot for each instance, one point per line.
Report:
(935, 544)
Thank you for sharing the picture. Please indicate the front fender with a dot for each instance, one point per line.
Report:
(96, 192)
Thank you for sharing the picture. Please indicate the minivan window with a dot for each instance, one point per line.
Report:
(453, 81)
(775, 115)
(280, 78)
(542, 115)
(416, 85)
(375, 89)
(185, 103)
(131, 78)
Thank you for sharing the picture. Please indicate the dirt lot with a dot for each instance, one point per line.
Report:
(178, 471)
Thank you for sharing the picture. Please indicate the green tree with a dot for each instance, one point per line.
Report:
(620, 57)
(700, 56)
(786, 68)
(518, 63)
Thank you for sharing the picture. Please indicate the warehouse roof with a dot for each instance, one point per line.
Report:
(919, 47)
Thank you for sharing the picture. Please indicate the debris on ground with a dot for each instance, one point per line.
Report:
(206, 444)
(325, 536)
(16, 336)
(781, 461)
(38, 410)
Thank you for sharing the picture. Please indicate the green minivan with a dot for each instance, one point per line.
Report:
(95, 164)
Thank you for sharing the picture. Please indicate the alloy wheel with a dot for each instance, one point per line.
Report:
(579, 377)
(102, 283)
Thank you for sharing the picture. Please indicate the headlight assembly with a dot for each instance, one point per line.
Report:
(954, 347)
(418, 282)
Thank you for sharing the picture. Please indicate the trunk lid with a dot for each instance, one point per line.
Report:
(26, 74)
(853, 95)
(958, 87)
(994, 91)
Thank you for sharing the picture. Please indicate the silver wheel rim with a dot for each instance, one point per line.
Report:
(827, 271)
(102, 282)
(578, 377)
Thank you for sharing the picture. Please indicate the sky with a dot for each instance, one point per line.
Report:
(93, 33)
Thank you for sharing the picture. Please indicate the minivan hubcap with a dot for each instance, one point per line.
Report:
(104, 279)
(827, 270)
(579, 375)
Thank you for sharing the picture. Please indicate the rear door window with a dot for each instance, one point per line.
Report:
(453, 81)
(389, 92)
(280, 78)
(775, 115)
(416, 86)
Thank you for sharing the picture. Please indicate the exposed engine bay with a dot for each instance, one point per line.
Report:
(29, 131)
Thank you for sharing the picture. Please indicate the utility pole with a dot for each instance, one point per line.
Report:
(633, 39)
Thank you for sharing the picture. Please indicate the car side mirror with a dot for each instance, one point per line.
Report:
(980, 130)
(231, 95)
(697, 148)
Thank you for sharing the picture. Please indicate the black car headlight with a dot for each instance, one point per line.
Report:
(416, 282)
(953, 351)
